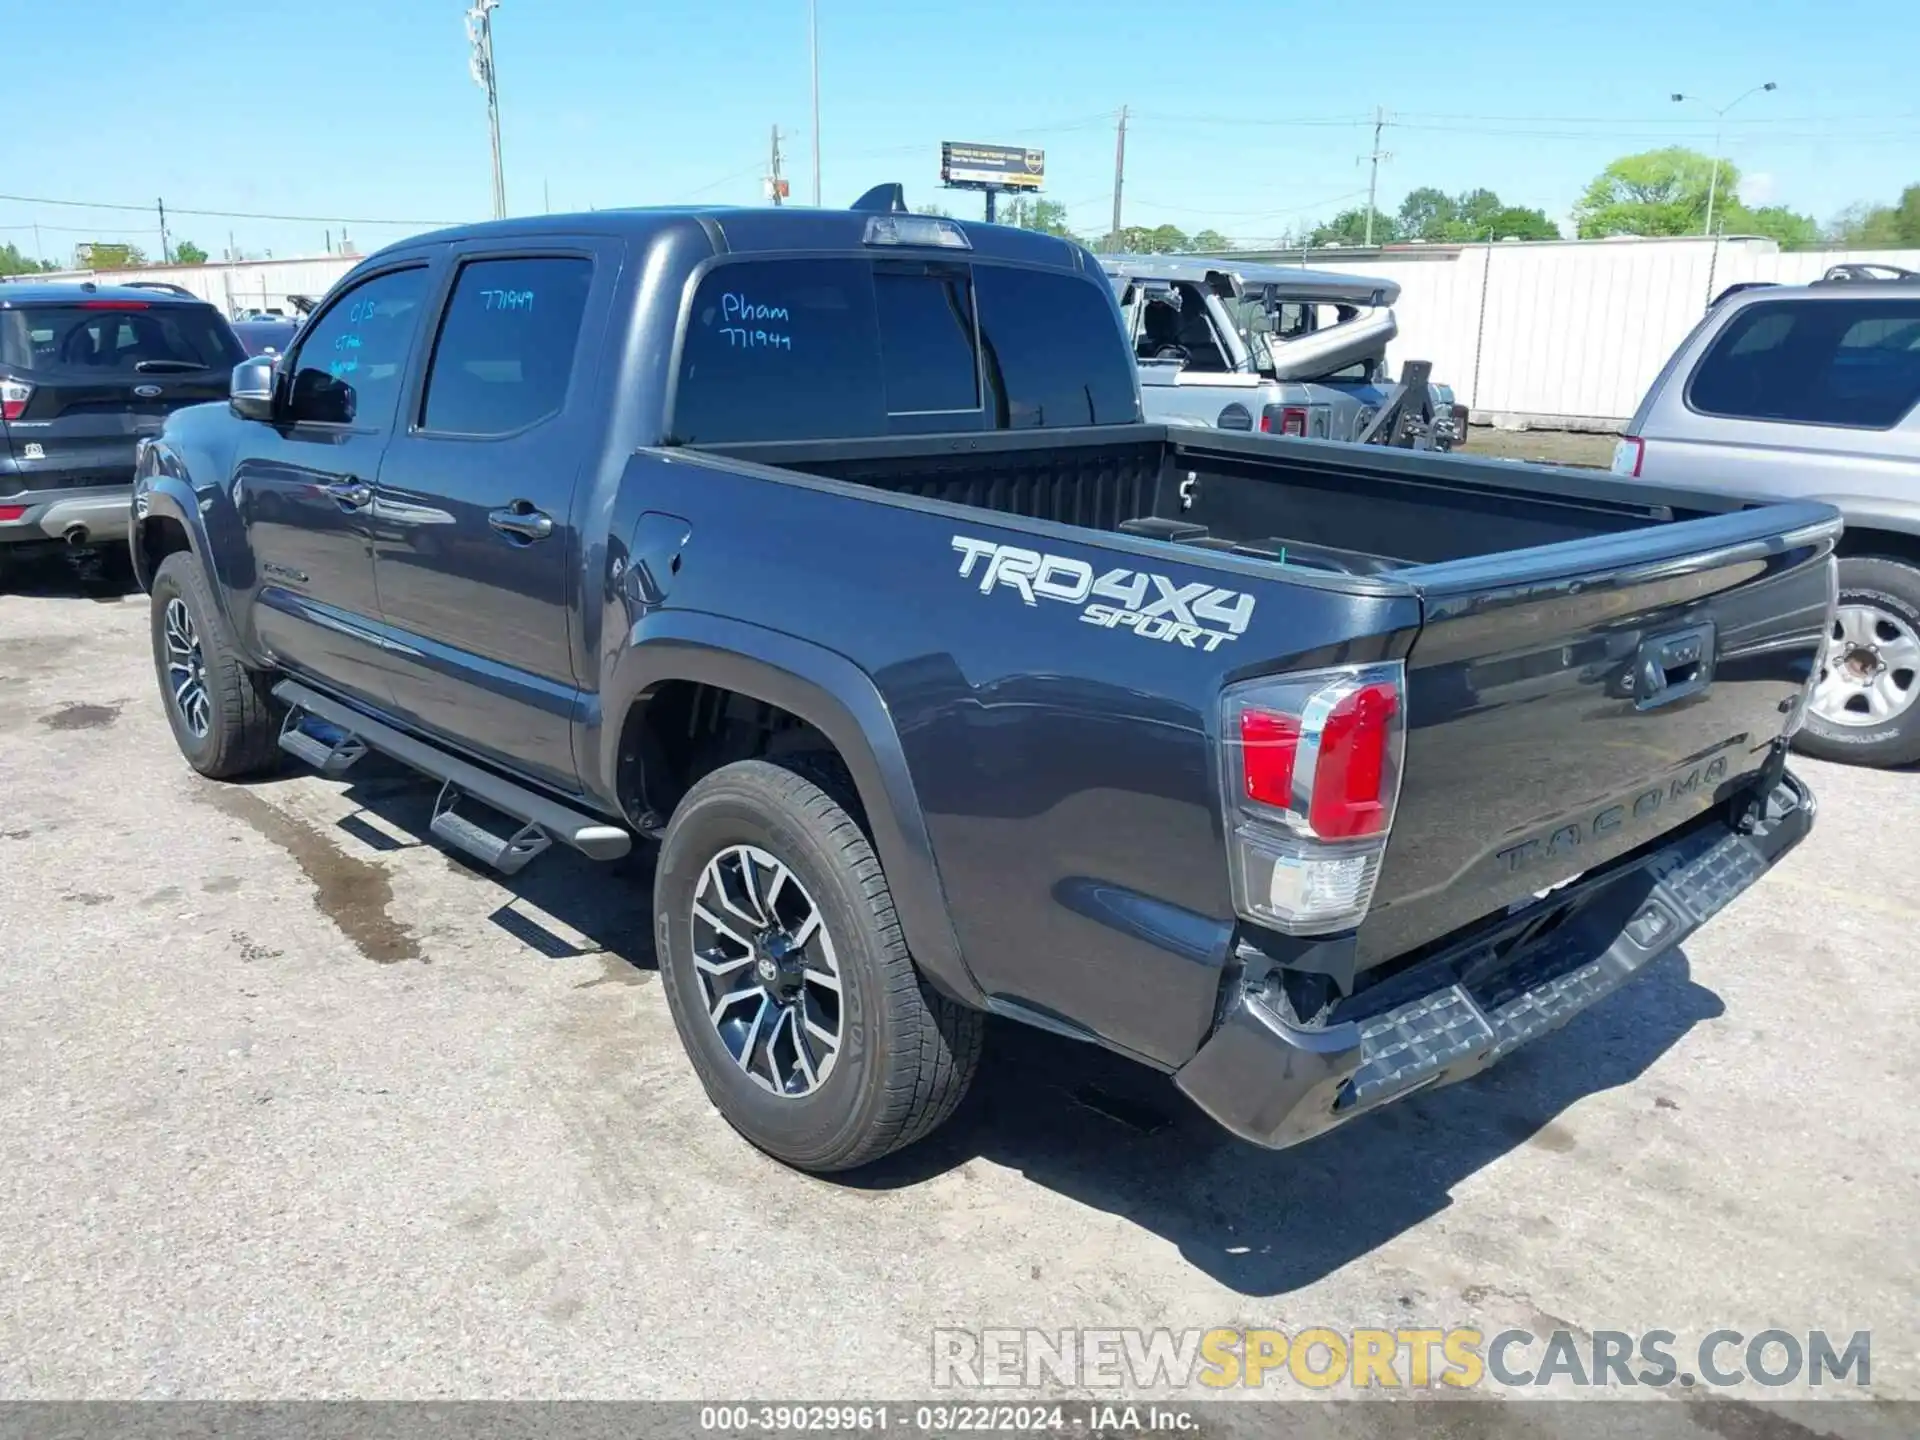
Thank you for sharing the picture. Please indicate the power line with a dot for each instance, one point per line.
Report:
(1251, 214)
(225, 214)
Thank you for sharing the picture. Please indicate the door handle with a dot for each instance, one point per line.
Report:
(522, 522)
(353, 494)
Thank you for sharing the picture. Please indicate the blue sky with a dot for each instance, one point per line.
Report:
(1248, 117)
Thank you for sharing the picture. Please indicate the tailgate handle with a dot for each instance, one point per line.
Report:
(1673, 666)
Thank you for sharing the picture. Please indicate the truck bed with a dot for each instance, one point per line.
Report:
(1307, 503)
(1531, 757)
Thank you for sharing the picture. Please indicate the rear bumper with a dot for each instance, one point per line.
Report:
(102, 513)
(1277, 1083)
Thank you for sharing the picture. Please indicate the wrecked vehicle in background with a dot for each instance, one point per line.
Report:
(1277, 349)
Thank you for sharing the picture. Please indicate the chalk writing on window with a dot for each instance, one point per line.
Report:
(521, 300)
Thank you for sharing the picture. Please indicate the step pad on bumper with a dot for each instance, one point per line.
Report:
(1276, 1083)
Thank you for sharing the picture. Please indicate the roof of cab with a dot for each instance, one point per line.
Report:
(1253, 274)
(739, 229)
(74, 292)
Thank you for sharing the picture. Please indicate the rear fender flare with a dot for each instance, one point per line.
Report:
(840, 700)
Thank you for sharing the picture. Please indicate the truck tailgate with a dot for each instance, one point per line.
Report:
(1568, 703)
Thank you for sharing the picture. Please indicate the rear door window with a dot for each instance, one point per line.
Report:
(1853, 362)
(112, 337)
(506, 345)
(1053, 350)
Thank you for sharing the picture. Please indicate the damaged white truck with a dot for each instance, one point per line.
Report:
(1277, 349)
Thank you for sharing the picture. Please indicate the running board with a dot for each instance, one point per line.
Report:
(542, 820)
(508, 854)
(326, 747)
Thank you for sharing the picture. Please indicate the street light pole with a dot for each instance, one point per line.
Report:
(1719, 128)
(480, 65)
(813, 47)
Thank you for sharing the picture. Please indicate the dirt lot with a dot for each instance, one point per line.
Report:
(294, 1104)
(1543, 447)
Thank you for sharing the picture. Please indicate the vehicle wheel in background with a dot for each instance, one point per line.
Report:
(1865, 706)
(788, 975)
(223, 714)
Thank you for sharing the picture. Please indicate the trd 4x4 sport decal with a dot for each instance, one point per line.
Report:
(1198, 616)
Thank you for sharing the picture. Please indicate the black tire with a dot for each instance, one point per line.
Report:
(906, 1054)
(1891, 587)
(242, 731)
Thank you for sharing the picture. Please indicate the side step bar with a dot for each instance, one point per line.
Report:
(347, 735)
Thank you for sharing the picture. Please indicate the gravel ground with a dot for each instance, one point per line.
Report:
(1543, 447)
(292, 1104)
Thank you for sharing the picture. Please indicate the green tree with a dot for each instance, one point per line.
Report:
(1349, 227)
(1657, 192)
(1210, 240)
(1776, 222)
(1881, 227)
(1430, 214)
(13, 262)
(1426, 213)
(1159, 240)
(188, 253)
(1030, 212)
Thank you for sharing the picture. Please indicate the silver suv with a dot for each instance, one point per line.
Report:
(1813, 392)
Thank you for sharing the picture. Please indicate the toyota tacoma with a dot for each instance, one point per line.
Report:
(827, 551)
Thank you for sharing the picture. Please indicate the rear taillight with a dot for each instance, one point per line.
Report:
(1311, 773)
(14, 395)
(11, 512)
(1284, 420)
(1629, 453)
(114, 305)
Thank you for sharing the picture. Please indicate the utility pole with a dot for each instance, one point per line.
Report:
(38, 253)
(232, 254)
(1119, 176)
(1373, 160)
(774, 182)
(166, 252)
(813, 47)
(546, 196)
(480, 66)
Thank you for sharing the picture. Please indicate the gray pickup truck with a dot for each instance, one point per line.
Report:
(1238, 345)
(828, 550)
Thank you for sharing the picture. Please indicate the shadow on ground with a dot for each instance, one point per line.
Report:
(104, 574)
(1119, 1137)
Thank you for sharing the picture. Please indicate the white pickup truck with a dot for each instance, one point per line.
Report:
(1234, 345)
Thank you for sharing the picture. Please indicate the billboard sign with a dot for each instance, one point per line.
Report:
(1002, 167)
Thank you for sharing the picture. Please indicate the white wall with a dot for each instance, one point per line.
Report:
(1574, 332)
(247, 285)
(1571, 333)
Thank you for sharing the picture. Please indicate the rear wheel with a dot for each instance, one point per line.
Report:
(223, 714)
(1865, 705)
(789, 978)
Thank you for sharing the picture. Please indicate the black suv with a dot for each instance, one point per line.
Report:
(85, 372)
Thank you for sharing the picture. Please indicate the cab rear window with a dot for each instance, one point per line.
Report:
(1853, 362)
(131, 338)
(829, 348)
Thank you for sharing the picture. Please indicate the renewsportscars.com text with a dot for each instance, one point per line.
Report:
(1320, 1358)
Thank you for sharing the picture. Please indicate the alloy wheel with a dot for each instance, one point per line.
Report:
(768, 973)
(187, 670)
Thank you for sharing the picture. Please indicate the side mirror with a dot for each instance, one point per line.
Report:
(251, 394)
